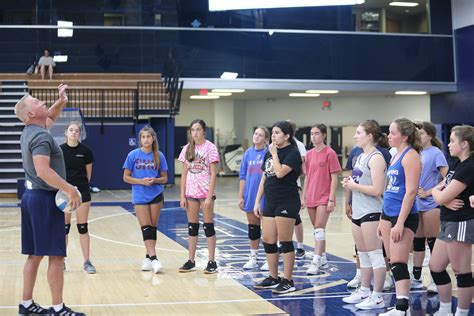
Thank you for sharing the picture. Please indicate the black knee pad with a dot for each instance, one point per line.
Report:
(149, 232)
(67, 228)
(464, 280)
(255, 232)
(440, 278)
(209, 229)
(193, 229)
(419, 244)
(400, 271)
(298, 220)
(384, 252)
(287, 246)
(401, 304)
(82, 228)
(270, 248)
(431, 242)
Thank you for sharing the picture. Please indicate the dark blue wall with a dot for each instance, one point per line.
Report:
(455, 108)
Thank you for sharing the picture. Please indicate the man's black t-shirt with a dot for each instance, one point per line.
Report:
(76, 159)
(463, 172)
(285, 188)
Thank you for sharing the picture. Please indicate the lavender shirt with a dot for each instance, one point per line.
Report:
(432, 159)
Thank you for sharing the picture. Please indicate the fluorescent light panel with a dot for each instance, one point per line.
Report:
(204, 97)
(220, 94)
(63, 30)
(403, 4)
(304, 95)
(229, 75)
(410, 92)
(229, 90)
(323, 91)
(222, 5)
(60, 58)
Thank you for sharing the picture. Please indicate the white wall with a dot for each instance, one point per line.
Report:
(194, 109)
(463, 13)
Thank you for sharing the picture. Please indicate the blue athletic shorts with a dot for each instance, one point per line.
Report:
(42, 225)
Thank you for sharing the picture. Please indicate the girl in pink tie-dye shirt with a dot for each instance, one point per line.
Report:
(198, 181)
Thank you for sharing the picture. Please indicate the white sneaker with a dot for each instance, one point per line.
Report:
(323, 263)
(395, 312)
(146, 265)
(372, 302)
(357, 296)
(265, 267)
(432, 289)
(426, 260)
(314, 266)
(156, 264)
(354, 283)
(251, 264)
(443, 313)
(388, 283)
(416, 284)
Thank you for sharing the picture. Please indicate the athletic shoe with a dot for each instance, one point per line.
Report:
(265, 267)
(188, 266)
(432, 289)
(268, 283)
(251, 264)
(211, 267)
(323, 263)
(65, 311)
(356, 297)
(314, 266)
(388, 284)
(372, 302)
(146, 265)
(33, 309)
(156, 264)
(416, 284)
(300, 253)
(396, 312)
(354, 283)
(285, 286)
(443, 313)
(89, 267)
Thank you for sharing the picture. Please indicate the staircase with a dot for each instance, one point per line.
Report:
(11, 167)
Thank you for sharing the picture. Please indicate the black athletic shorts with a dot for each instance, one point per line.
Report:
(411, 222)
(85, 193)
(372, 217)
(288, 208)
(157, 199)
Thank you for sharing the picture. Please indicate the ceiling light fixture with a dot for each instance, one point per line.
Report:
(229, 90)
(410, 92)
(403, 4)
(204, 97)
(219, 5)
(323, 91)
(304, 95)
(220, 94)
(229, 75)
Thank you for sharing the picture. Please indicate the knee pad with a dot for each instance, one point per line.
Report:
(419, 244)
(400, 271)
(149, 232)
(364, 259)
(255, 232)
(464, 280)
(193, 229)
(209, 229)
(319, 234)
(298, 220)
(82, 228)
(431, 242)
(383, 251)
(270, 248)
(67, 228)
(376, 259)
(287, 246)
(440, 278)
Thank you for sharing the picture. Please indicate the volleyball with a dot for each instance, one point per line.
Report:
(62, 202)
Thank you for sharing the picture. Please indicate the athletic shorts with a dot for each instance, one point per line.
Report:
(289, 209)
(372, 217)
(457, 231)
(298, 220)
(42, 225)
(157, 199)
(85, 192)
(199, 199)
(411, 222)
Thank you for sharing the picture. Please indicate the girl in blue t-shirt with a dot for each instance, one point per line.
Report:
(250, 176)
(146, 170)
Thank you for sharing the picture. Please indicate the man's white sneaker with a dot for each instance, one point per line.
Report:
(354, 283)
(443, 313)
(323, 263)
(265, 267)
(388, 283)
(146, 265)
(356, 297)
(372, 302)
(314, 266)
(251, 264)
(156, 264)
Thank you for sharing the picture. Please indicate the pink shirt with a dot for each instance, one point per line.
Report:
(199, 171)
(319, 166)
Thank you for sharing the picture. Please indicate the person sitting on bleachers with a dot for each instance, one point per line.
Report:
(46, 61)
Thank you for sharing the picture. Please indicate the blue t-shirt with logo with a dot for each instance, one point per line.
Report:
(142, 166)
(251, 172)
